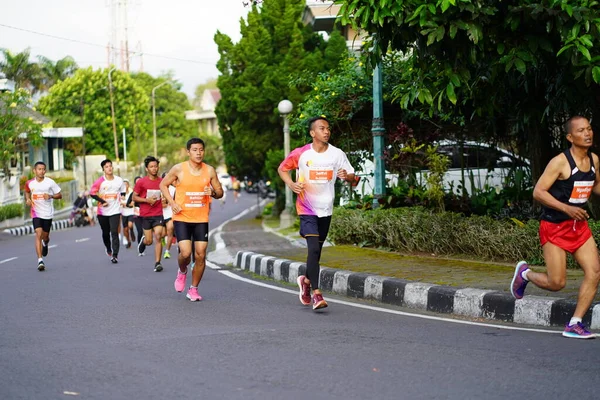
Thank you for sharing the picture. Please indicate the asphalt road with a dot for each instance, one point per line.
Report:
(88, 329)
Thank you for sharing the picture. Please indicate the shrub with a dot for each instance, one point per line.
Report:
(11, 211)
(417, 230)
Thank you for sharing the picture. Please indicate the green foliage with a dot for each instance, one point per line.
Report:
(15, 119)
(268, 209)
(512, 71)
(84, 99)
(438, 165)
(275, 47)
(172, 129)
(416, 230)
(11, 211)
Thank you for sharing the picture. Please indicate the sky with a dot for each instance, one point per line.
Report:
(182, 29)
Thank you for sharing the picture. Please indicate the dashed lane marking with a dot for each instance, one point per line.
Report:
(82, 240)
(8, 259)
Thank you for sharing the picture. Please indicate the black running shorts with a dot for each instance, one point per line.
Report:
(197, 232)
(45, 224)
(311, 225)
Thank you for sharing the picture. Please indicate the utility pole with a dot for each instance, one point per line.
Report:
(378, 131)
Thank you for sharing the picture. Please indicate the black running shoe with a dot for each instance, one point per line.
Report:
(114, 260)
(44, 249)
(41, 266)
(158, 267)
(141, 246)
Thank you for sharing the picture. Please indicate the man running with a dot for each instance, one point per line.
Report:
(168, 217)
(127, 215)
(107, 191)
(563, 189)
(195, 184)
(40, 194)
(147, 193)
(317, 165)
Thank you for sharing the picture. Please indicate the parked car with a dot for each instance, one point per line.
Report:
(225, 181)
(483, 165)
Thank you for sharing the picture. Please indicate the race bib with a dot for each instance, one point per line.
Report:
(320, 174)
(37, 196)
(150, 193)
(582, 190)
(109, 196)
(195, 199)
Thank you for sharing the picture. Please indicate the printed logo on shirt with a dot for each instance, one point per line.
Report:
(582, 190)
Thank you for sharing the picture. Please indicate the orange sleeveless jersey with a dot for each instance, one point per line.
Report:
(189, 194)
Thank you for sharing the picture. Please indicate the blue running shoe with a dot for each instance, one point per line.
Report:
(577, 331)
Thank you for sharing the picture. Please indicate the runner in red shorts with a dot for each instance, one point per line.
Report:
(564, 189)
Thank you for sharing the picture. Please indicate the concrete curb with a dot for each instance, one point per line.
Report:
(469, 302)
(28, 229)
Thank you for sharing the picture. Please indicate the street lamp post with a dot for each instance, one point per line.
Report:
(378, 131)
(154, 116)
(112, 112)
(285, 107)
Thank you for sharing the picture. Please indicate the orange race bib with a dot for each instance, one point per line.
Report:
(195, 200)
(582, 190)
(37, 196)
(320, 175)
(109, 196)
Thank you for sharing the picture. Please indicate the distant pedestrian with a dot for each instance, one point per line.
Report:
(127, 215)
(317, 165)
(168, 217)
(563, 189)
(196, 183)
(40, 193)
(107, 191)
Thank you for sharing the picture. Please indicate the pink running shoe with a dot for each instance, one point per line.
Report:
(304, 294)
(193, 295)
(180, 281)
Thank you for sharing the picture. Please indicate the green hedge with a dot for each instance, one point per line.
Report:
(11, 211)
(417, 230)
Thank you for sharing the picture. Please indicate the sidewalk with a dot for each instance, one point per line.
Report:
(467, 288)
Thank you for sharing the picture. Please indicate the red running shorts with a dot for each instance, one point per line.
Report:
(569, 235)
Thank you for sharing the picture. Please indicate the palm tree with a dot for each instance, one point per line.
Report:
(17, 68)
(54, 72)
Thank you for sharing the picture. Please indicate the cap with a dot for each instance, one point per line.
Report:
(126, 180)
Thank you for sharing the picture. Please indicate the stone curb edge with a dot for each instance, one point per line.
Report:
(469, 302)
(28, 229)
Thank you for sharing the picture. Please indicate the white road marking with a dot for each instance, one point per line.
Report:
(82, 240)
(52, 246)
(212, 265)
(8, 259)
(386, 310)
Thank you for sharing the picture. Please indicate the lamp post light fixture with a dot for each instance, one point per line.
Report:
(112, 112)
(285, 107)
(154, 116)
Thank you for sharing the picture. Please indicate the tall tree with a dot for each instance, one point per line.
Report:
(518, 68)
(84, 99)
(54, 72)
(172, 129)
(18, 68)
(255, 75)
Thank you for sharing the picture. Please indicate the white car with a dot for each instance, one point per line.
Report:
(483, 165)
(225, 180)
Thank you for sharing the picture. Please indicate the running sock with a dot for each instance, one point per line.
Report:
(40, 260)
(524, 274)
(193, 287)
(574, 320)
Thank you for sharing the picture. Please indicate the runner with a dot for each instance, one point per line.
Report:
(195, 183)
(107, 191)
(235, 185)
(317, 164)
(168, 217)
(147, 193)
(137, 220)
(127, 215)
(563, 189)
(40, 194)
